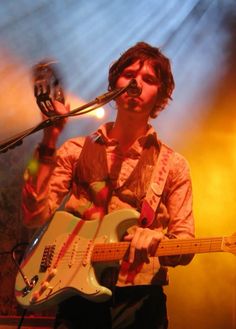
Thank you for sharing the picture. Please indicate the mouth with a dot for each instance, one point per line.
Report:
(133, 95)
(134, 92)
(133, 101)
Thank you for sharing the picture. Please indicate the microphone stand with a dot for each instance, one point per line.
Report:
(99, 101)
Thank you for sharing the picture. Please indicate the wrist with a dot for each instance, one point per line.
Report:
(50, 136)
(45, 150)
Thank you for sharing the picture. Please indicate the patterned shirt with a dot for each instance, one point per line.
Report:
(52, 179)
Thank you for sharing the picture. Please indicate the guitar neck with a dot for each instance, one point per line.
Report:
(116, 251)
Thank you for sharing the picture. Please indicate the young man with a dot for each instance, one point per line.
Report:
(111, 170)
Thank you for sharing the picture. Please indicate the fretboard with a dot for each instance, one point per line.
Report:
(116, 251)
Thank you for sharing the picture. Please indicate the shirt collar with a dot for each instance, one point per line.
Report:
(103, 132)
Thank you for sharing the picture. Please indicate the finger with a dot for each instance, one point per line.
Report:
(140, 242)
(133, 245)
(157, 237)
(60, 108)
(145, 243)
(143, 256)
(128, 237)
(153, 248)
(149, 241)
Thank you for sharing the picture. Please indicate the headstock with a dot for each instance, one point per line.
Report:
(229, 244)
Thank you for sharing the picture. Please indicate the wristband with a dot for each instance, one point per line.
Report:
(45, 151)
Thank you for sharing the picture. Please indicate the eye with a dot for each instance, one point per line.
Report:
(152, 80)
(128, 74)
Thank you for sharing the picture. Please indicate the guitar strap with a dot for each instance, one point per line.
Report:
(153, 197)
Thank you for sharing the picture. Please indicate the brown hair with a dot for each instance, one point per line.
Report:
(160, 63)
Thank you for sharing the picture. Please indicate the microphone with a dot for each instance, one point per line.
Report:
(133, 89)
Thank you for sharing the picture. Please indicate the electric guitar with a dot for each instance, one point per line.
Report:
(63, 257)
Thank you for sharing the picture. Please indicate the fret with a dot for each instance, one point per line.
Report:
(117, 250)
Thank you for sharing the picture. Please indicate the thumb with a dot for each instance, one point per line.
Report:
(128, 237)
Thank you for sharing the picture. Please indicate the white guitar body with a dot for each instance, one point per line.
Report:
(68, 255)
(57, 269)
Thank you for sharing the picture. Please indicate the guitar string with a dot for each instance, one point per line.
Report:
(121, 247)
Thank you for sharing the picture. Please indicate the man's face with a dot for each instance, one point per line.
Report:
(147, 80)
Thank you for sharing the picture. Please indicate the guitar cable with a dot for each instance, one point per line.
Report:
(15, 250)
(17, 264)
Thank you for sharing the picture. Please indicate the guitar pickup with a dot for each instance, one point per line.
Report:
(47, 258)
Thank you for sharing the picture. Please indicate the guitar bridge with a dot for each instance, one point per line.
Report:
(47, 258)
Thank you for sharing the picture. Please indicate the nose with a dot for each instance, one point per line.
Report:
(139, 81)
(134, 89)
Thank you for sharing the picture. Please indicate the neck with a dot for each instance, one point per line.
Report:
(127, 130)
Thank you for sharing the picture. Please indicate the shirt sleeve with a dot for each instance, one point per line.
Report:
(47, 182)
(178, 200)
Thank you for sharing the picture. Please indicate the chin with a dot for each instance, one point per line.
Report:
(135, 109)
